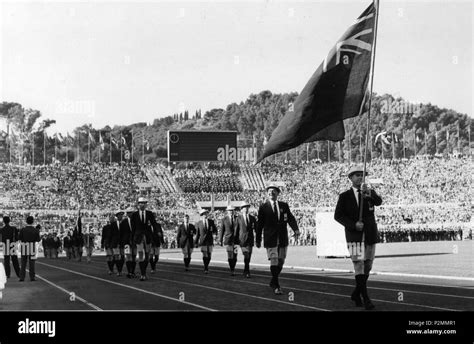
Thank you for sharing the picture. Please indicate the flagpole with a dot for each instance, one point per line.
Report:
(393, 146)
(121, 148)
(89, 145)
(403, 144)
(33, 153)
(143, 149)
(100, 144)
(426, 143)
(459, 142)
(372, 62)
(329, 153)
(436, 141)
(469, 135)
(132, 148)
(44, 147)
(67, 147)
(110, 148)
(414, 141)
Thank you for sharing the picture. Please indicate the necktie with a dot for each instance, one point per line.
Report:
(205, 224)
(358, 197)
(275, 210)
(143, 216)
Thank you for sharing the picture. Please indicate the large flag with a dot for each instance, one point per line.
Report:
(336, 91)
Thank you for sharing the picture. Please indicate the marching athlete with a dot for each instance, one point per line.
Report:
(185, 240)
(126, 243)
(227, 238)
(206, 229)
(246, 225)
(143, 221)
(273, 218)
(118, 251)
(361, 236)
(157, 239)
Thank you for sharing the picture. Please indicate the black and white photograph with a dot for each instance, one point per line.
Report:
(164, 160)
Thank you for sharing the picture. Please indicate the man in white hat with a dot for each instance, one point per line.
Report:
(273, 218)
(246, 225)
(361, 234)
(227, 238)
(206, 230)
(142, 223)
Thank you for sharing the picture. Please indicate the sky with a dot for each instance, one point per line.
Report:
(117, 63)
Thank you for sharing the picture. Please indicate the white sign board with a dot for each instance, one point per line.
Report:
(330, 236)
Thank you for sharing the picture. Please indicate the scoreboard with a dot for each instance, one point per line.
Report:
(195, 145)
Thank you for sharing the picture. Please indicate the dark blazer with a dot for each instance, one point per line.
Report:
(185, 237)
(9, 233)
(244, 233)
(140, 229)
(205, 236)
(125, 232)
(274, 229)
(29, 234)
(347, 214)
(108, 237)
(157, 236)
(227, 231)
(67, 241)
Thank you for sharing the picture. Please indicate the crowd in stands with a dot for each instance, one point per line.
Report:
(208, 179)
(415, 192)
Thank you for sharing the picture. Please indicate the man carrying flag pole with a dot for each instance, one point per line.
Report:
(339, 90)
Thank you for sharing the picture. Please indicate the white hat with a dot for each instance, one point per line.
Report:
(230, 207)
(142, 200)
(130, 210)
(355, 169)
(244, 204)
(273, 186)
(203, 211)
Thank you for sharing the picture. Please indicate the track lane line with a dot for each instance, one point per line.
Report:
(231, 292)
(378, 288)
(129, 287)
(319, 292)
(69, 293)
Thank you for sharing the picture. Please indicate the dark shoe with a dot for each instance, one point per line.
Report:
(129, 276)
(21, 280)
(119, 274)
(368, 305)
(247, 274)
(33, 280)
(206, 271)
(110, 272)
(186, 269)
(356, 298)
(232, 273)
(142, 278)
(152, 271)
(278, 291)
